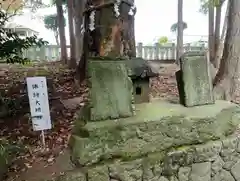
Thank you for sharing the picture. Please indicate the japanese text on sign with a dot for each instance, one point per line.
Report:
(39, 104)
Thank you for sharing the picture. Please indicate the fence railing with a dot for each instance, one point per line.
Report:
(155, 52)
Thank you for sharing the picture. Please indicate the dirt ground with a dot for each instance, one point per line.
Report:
(37, 164)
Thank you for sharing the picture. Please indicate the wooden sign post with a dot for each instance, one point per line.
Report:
(39, 105)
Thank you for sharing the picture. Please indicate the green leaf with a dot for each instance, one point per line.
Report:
(51, 22)
(163, 40)
(175, 25)
(12, 46)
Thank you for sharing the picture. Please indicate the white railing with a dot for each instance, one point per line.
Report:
(156, 52)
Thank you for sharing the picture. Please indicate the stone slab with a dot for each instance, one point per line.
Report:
(201, 171)
(110, 90)
(195, 81)
(157, 126)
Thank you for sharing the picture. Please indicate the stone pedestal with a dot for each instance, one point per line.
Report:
(194, 80)
(157, 126)
(163, 141)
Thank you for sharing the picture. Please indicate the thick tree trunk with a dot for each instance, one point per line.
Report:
(219, 51)
(179, 31)
(61, 31)
(79, 6)
(211, 44)
(132, 52)
(112, 35)
(72, 61)
(227, 79)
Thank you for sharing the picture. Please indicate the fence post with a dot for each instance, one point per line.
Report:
(42, 53)
(151, 49)
(145, 52)
(156, 53)
(187, 47)
(202, 47)
(139, 50)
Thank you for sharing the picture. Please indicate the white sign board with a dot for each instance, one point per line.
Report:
(38, 101)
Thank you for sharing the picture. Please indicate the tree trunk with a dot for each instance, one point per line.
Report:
(56, 37)
(133, 40)
(217, 33)
(180, 30)
(112, 35)
(211, 44)
(79, 6)
(227, 79)
(132, 52)
(72, 61)
(219, 51)
(61, 31)
(78, 21)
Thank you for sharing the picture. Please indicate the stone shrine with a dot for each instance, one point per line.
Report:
(115, 139)
(140, 73)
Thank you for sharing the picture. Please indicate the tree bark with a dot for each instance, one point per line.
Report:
(217, 33)
(61, 31)
(132, 52)
(112, 35)
(56, 37)
(219, 51)
(179, 31)
(72, 61)
(79, 6)
(227, 79)
(211, 44)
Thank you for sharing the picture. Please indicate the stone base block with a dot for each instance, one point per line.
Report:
(157, 127)
(212, 161)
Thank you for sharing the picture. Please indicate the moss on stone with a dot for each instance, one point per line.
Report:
(163, 163)
(157, 127)
(110, 90)
(195, 83)
(76, 175)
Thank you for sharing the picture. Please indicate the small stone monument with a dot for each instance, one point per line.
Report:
(140, 73)
(111, 89)
(194, 80)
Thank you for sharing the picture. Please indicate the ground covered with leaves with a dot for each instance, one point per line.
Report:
(33, 162)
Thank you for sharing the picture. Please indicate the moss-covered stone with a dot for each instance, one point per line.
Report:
(98, 173)
(157, 126)
(174, 163)
(184, 163)
(194, 80)
(75, 175)
(110, 90)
